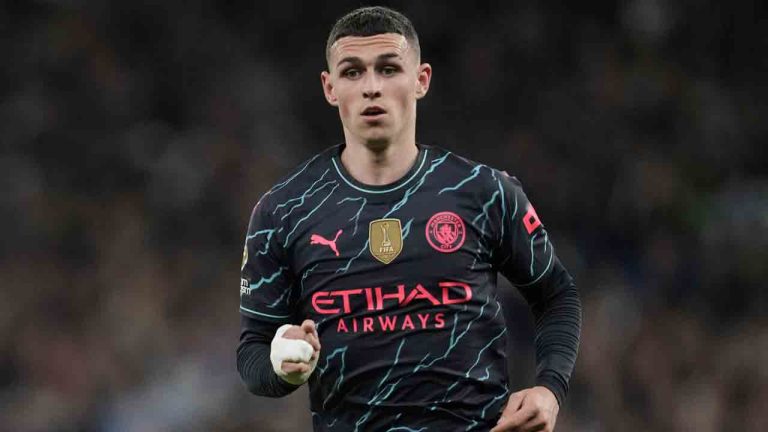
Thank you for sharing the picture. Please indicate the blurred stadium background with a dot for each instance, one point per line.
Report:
(136, 136)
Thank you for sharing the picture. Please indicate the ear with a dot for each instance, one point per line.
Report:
(423, 79)
(328, 90)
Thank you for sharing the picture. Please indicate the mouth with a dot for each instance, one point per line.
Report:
(373, 112)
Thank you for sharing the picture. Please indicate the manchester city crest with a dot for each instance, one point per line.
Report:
(445, 232)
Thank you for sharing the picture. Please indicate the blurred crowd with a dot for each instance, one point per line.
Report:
(135, 138)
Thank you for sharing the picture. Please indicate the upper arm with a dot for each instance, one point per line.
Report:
(266, 279)
(525, 253)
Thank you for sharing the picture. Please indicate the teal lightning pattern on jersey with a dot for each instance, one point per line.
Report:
(402, 281)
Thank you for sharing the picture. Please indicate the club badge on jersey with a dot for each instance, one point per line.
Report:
(446, 232)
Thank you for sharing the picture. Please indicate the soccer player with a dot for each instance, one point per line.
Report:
(370, 271)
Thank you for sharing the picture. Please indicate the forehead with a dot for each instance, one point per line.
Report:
(369, 47)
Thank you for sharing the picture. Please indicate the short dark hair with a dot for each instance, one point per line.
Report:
(372, 20)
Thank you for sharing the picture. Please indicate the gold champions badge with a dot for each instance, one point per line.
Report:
(385, 239)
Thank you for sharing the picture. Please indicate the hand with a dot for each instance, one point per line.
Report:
(533, 409)
(307, 331)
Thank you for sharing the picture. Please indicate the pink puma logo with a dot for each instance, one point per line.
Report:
(318, 239)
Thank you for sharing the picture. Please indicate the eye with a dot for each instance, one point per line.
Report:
(388, 70)
(351, 73)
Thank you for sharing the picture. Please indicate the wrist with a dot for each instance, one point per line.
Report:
(554, 386)
(551, 394)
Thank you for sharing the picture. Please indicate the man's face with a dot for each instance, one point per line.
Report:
(375, 82)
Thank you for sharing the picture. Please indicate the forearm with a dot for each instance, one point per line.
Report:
(253, 362)
(558, 328)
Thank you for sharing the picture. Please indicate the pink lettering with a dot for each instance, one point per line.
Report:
(367, 324)
(439, 320)
(423, 318)
(317, 301)
(407, 323)
(399, 296)
(326, 303)
(446, 286)
(369, 299)
(388, 322)
(344, 294)
(420, 293)
(341, 327)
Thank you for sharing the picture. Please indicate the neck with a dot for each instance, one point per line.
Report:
(379, 163)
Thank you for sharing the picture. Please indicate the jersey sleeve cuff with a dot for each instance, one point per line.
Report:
(285, 385)
(273, 317)
(553, 384)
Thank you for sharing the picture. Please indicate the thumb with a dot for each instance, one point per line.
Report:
(310, 330)
(309, 326)
(514, 403)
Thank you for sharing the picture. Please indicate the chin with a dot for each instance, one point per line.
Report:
(377, 144)
(375, 137)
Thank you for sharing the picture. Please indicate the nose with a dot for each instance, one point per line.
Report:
(372, 86)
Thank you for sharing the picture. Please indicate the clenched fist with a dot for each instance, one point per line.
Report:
(533, 409)
(294, 352)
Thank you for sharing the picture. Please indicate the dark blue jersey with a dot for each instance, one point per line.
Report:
(402, 281)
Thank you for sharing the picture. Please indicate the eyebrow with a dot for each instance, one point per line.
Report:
(359, 60)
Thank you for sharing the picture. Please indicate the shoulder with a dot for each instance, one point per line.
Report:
(464, 168)
(299, 178)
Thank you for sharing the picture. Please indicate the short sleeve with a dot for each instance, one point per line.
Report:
(526, 255)
(265, 276)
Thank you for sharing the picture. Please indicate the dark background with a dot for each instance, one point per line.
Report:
(136, 136)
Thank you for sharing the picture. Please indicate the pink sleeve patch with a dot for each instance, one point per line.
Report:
(531, 219)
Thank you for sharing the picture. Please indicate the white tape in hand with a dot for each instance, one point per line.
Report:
(292, 350)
